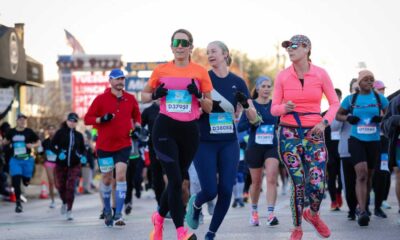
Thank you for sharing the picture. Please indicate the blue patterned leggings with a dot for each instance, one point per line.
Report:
(305, 160)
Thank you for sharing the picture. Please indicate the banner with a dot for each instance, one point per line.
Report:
(135, 84)
(85, 88)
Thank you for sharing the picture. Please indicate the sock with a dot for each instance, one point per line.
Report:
(120, 196)
(240, 187)
(271, 209)
(254, 207)
(106, 192)
(196, 213)
(235, 191)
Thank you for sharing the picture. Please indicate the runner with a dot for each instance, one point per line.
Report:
(365, 109)
(262, 151)
(297, 100)
(182, 87)
(114, 113)
(218, 153)
(50, 162)
(69, 146)
(391, 129)
(22, 140)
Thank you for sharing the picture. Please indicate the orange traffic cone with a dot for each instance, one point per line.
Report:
(13, 197)
(44, 192)
(80, 187)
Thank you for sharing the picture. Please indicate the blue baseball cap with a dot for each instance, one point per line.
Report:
(116, 73)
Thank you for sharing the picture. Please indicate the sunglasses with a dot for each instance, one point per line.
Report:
(182, 42)
(293, 46)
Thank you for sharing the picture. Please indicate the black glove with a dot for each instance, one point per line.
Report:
(136, 133)
(376, 119)
(106, 117)
(353, 119)
(192, 89)
(242, 99)
(216, 107)
(160, 92)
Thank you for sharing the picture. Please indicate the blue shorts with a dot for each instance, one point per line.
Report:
(22, 167)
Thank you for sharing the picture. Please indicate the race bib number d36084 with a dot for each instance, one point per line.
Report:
(221, 123)
(179, 101)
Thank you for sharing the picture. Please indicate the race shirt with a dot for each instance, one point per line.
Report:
(19, 140)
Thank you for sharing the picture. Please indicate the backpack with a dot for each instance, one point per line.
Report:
(354, 98)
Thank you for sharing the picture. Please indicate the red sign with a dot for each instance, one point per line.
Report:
(85, 88)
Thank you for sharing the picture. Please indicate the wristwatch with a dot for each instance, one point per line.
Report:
(326, 123)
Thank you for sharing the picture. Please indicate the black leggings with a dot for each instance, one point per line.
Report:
(158, 183)
(333, 168)
(175, 144)
(381, 178)
(134, 178)
(349, 175)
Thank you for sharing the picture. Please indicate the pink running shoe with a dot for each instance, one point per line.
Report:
(158, 222)
(316, 221)
(297, 234)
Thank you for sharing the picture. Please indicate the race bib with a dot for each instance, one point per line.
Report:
(265, 134)
(106, 164)
(51, 156)
(19, 148)
(179, 101)
(335, 135)
(221, 123)
(366, 127)
(384, 162)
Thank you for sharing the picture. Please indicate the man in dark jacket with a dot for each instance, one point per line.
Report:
(391, 129)
(70, 149)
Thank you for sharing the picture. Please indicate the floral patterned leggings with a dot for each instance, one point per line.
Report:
(305, 160)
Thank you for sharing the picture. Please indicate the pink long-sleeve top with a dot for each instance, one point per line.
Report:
(307, 98)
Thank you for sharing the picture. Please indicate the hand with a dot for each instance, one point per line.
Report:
(159, 92)
(106, 117)
(83, 160)
(376, 119)
(216, 107)
(289, 106)
(136, 133)
(62, 156)
(353, 119)
(192, 89)
(319, 128)
(242, 99)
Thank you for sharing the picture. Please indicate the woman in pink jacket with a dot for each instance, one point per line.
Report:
(297, 100)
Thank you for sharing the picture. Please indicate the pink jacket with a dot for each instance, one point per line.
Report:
(307, 99)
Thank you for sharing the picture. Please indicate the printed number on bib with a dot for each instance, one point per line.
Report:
(265, 134)
(19, 148)
(106, 164)
(366, 127)
(384, 162)
(179, 101)
(51, 156)
(221, 123)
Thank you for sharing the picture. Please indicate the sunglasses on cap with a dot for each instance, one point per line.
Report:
(291, 45)
(182, 42)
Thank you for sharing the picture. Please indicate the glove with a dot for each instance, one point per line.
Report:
(353, 119)
(160, 92)
(62, 156)
(136, 133)
(216, 107)
(83, 160)
(192, 89)
(242, 99)
(376, 119)
(106, 117)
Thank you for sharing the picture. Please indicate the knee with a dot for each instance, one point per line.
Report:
(362, 176)
(210, 194)
(256, 184)
(272, 179)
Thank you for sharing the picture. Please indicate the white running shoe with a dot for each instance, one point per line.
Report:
(69, 216)
(386, 205)
(52, 204)
(64, 209)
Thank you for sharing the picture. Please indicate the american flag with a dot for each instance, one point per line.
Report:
(72, 42)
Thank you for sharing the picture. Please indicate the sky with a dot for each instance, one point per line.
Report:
(343, 32)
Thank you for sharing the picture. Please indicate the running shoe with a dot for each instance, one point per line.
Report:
(19, 208)
(245, 197)
(52, 204)
(297, 234)
(69, 216)
(63, 209)
(272, 220)
(189, 217)
(240, 202)
(380, 213)
(319, 225)
(351, 216)
(334, 206)
(235, 203)
(118, 220)
(254, 219)
(158, 223)
(209, 236)
(386, 205)
(184, 234)
(101, 214)
(128, 208)
(363, 219)
(339, 200)
(108, 219)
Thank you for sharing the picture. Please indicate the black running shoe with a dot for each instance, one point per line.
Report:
(18, 208)
(380, 213)
(128, 208)
(363, 219)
